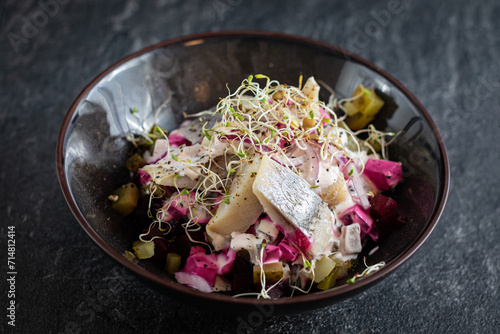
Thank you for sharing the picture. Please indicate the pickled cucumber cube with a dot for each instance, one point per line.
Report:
(135, 162)
(124, 199)
(143, 250)
(323, 268)
(342, 266)
(363, 109)
(273, 272)
(329, 281)
(173, 263)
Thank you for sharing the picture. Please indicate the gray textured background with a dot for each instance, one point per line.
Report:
(446, 52)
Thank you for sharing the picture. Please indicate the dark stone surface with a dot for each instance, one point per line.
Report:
(447, 53)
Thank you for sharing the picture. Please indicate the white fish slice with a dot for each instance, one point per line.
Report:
(292, 204)
(242, 211)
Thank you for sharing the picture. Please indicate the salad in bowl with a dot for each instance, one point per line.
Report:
(269, 194)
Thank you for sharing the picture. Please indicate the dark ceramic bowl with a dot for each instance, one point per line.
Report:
(191, 73)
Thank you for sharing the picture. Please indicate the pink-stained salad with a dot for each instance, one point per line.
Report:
(268, 195)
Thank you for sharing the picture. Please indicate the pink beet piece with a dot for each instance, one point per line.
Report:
(167, 216)
(208, 266)
(180, 205)
(144, 177)
(301, 240)
(383, 173)
(296, 237)
(201, 264)
(357, 215)
(201, 218)
(219, 199)
(225, 261)
(271, 254)
(176, 140)
(288, 252)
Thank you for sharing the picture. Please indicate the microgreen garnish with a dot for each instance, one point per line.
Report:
(307, 264)
(262, 76)
(367, 272)
(160, 131)
(236, 115)
(205, 132)
(134, 111)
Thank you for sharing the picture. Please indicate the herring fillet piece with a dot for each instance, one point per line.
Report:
(242, 211)
(292, 204)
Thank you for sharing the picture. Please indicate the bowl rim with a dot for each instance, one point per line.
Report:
(338, 293)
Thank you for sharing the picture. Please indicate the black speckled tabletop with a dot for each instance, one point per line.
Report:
(446, 52)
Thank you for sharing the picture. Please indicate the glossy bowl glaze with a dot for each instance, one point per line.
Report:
(192, 73)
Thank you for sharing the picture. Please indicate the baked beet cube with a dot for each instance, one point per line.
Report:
(182, 247)
(242, 284)
(162, 248)
(384, 208)
(242, 273)
(275, 292)
(176, 228)
(383, 212)
(241, 267)
(140, 214)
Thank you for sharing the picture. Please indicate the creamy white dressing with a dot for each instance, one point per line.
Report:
(247, 242)
(341, 207)
(191, 130)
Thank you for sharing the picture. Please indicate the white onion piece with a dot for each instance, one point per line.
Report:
(160, 149)
(358, 187)
(194, 281)
(297, 162)
(295, 158)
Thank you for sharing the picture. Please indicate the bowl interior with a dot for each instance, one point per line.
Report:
(189, 75)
